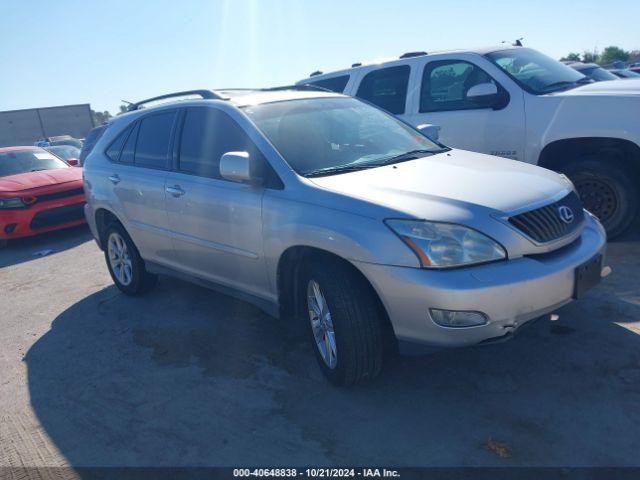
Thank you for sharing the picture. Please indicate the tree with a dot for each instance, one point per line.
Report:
(100, 118)
(612, 53)
(590, 57)
(572, 57)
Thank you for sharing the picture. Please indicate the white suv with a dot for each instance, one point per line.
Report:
(517, 103)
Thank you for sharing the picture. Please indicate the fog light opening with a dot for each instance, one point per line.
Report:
(458, 318)
(8, 229)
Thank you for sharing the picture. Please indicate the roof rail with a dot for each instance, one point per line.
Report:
(412, 54)
(357, 64)
(302, 86)
(205, 94)
(317, 72)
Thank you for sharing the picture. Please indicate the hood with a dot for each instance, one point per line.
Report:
(611, 87)
(45, 178)
(451, 186)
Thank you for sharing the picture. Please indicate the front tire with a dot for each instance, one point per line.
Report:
(345, 321)
(608, 191)
(125, 265)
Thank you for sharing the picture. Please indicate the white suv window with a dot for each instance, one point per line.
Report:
(445, 84)
(335, 84)
(386, 88)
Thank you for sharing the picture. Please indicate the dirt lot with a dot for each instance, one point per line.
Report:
(185, 376)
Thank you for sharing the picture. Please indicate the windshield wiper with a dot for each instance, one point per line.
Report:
(352, 167)
(403, 157)
(553, 86)
(339, 169)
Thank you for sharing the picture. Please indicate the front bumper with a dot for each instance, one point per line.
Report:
(510, 293)
(41, 217)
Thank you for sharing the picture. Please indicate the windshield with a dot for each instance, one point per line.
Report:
(66, 152)
(536, 72)
(328, 135)
(598, 74)
(23, 161)
(627, 74)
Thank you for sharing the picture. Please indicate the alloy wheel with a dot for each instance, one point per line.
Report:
(120, 259)
(322, 324)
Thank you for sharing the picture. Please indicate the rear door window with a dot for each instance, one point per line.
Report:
(154, 137)
(335, 84)
(386, 88)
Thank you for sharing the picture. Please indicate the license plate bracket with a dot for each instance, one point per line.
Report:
(587, 275)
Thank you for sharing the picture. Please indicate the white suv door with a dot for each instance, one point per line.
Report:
(493, 125)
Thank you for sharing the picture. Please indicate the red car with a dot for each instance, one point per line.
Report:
(39, 192)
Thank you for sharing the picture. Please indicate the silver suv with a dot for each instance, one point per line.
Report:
(321, 207)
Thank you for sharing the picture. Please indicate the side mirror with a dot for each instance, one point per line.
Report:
(240, 167)
(487, 95)
(73, 162)
(432, 132)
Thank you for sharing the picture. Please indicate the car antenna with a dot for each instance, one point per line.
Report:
(518, 42)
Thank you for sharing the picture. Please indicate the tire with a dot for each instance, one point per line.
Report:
(354, 316)
(125, 265)
(3, 243)
(607, 190)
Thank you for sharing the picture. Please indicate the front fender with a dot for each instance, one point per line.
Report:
(357, 238)
(555, 118)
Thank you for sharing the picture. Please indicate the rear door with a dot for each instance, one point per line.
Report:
(140, 159)
(216, 224)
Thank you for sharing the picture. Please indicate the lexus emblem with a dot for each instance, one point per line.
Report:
(565, 214)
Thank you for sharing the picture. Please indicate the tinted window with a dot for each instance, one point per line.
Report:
(445, 85)
(207, 134)
(598, 74)
(113, 152)
(335, 84)
(130, 146)
(386, 88)
(90, 140)
(66, 152)
(154, 135)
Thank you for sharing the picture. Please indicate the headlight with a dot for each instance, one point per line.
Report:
(7, 203)
(568, 181)
(442, 245)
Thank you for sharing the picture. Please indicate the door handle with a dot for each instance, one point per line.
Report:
(176, 191)
(115, 178)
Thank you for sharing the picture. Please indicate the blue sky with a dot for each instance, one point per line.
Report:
(72, 51)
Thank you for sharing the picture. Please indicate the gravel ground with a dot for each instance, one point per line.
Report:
(185, 376)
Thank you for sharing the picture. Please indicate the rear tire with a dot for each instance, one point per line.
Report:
(3, 243)
(354, 318)
(608, 190)
(125, 265)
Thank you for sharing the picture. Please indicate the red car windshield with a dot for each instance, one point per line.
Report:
(24, 161)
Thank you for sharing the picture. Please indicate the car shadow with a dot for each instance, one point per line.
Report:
(26, 249)
(187, 377)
